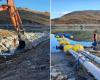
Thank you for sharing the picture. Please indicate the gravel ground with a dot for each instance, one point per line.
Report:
(31, 65)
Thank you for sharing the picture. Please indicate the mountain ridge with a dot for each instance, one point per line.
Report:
(79, 17)
(28, 17)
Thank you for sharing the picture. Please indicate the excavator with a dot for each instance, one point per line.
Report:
(16, 21)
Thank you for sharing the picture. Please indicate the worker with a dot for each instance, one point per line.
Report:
(61, 47)
(94, 40)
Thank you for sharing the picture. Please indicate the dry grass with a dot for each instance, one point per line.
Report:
(79, 17)
(6, 33)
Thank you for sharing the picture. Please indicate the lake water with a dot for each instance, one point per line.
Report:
(55, 43)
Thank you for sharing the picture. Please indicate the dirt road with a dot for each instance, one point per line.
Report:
(30, 65)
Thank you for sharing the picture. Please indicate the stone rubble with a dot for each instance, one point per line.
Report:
(7, 42)
(57, 75)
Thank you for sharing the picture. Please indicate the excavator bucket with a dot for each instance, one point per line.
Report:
(21, 45)
(24, 43)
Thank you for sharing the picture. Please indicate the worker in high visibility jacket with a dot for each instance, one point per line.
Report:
(95, 36)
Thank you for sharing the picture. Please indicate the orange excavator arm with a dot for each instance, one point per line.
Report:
(3, 8)
(13, 12)
(16, 21)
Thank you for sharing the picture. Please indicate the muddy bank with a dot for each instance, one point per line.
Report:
(30, 65)
(65, 67)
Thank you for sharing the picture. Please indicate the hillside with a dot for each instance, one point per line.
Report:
(79, 17)
(28, 17)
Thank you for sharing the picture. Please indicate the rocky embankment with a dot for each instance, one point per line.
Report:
(9, 39)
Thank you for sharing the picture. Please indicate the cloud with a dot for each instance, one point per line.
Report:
(64, 12)
(58, 14)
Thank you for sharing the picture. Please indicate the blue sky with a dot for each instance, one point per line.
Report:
(61, 7)
(39, 5)
(58, 7)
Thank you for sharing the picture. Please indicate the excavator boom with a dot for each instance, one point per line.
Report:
(16, 21)
(13, 13)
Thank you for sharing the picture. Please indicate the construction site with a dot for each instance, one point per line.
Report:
(73, 60)
(75, 40)
(24, 43)
(73, 53)
(29, 51)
